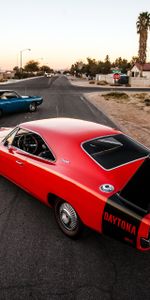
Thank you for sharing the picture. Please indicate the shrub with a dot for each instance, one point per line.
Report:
(3, 80)
(141, 96)
(147, 102)
(102, 82)
(91, 81)
(115, 95)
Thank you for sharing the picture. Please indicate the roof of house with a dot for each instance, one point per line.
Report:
(144, 67)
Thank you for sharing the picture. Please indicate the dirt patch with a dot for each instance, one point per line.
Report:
(129, 111)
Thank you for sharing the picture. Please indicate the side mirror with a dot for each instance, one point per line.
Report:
(6, 143)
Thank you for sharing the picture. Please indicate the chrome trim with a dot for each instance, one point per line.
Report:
(106, 188)
(68, 216)
(10, 133)
(145, 243)
(19, 162)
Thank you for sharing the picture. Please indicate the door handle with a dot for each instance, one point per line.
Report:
(19, 162)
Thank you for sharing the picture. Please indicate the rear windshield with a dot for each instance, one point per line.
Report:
(113, 151)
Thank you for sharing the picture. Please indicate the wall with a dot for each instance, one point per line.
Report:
(139, 81)
(108, 78)
(133, 81)
(146, 74)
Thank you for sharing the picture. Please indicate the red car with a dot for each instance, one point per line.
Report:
(91, 174)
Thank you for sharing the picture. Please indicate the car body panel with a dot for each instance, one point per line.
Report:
(73, 176)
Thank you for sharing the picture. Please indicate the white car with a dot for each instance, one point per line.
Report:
(49, 74)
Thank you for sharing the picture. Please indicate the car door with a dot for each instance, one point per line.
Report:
(13, 160)
(27, 161)
(41, 170)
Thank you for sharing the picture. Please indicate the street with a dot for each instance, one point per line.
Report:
(36, 260)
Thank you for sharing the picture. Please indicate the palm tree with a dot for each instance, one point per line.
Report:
(143, 25)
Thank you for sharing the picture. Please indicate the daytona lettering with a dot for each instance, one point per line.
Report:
(120, 223)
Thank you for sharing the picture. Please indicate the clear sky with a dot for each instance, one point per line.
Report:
(61, 32)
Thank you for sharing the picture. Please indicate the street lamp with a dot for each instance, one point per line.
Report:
(27, 49)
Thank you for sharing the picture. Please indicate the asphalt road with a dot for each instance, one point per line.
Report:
(36, 260)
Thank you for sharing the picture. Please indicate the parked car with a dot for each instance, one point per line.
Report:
(92, 175)
(10, 102)
(124, 79)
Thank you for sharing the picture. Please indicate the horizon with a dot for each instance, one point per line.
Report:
(60, 34)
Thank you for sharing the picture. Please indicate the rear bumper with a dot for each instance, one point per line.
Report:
(143, 239)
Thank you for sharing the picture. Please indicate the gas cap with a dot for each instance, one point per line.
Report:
(107, 188)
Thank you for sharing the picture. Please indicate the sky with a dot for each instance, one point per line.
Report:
(61, 32)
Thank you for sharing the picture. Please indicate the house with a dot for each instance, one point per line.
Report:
(139, 69)
(5, 75)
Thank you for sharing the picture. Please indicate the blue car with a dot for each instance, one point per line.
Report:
(11, 101)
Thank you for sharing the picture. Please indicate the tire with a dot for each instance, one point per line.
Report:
(32, 107)
(1, 113)
(67, 219)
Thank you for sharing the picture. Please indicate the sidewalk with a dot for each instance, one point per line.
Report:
(85, 83)
(18, 80)
(82, 82)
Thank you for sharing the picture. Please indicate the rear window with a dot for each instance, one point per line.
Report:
(113, 151)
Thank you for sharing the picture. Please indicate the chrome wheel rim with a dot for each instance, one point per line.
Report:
(68, 216)
(32, 106)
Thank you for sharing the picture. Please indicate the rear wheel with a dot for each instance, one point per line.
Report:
(32, 107)
(67, 219)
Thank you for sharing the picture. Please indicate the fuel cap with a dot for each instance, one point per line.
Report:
(107, 188)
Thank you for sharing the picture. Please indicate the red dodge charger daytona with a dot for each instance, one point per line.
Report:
(91, 174)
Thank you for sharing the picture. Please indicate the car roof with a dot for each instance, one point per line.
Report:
(68, 128)
(6, 91)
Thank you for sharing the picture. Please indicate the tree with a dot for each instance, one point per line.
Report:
(46, 69)
(18, 74)
(143, 25)
(134, 59)
(92, 67)
(16, 68)
(32, 66)
(106, 65)
(122, 64)
(77, 68)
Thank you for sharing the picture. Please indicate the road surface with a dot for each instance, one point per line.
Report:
(36, 260)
